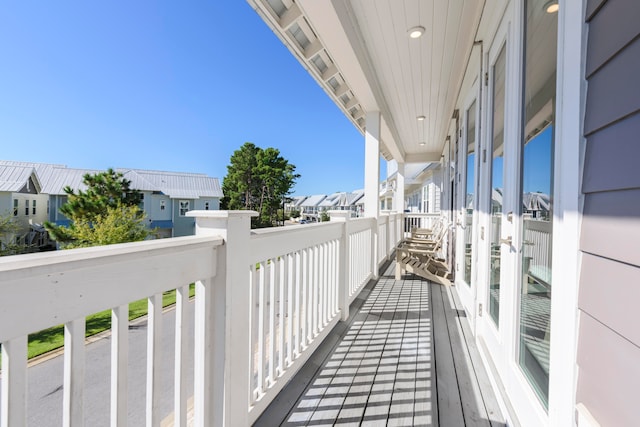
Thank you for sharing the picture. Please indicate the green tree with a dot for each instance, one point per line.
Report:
(9, 228)
(258, 179)
(324, 216)
(119, 224)
(108, 194)
(240, 186)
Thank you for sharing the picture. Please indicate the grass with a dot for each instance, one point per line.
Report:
(53, 338)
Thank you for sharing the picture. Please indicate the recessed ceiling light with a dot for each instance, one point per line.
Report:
(423, 143)
(421, 118)
(552, 6)
(416, 32)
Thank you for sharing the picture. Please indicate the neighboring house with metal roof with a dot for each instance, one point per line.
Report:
(342, 201)
(21, 198)
(309, 207)
(166, 196)
(294, 203)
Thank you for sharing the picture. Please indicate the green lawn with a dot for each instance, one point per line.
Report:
(53, 338)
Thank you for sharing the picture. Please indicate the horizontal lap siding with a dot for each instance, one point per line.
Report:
(609, 339)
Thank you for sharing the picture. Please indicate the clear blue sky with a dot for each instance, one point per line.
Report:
(163, 85)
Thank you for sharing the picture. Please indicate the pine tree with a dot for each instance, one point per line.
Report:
(258, 180)
(108, 194)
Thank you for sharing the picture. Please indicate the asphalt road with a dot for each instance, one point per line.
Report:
(45, 379)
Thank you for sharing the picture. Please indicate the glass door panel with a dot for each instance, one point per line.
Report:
(536, 196)
(470, 200)
(496, 186)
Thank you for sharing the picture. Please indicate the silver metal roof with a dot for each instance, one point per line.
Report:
(177, 185)
(14, 178)
(313, 201)
(54, 178)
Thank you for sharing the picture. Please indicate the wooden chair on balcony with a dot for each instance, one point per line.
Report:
(423, 263)
(432, 240)
(420, 256)
(429, 233)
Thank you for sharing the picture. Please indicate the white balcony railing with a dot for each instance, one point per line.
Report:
(264, 300)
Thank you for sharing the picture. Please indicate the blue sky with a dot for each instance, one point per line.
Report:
(164, 85)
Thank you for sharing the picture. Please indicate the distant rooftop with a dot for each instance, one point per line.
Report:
(54, 178)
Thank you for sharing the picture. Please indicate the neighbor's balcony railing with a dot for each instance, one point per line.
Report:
(264, 300)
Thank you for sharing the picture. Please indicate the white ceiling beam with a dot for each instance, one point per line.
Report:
(342, 89)
(351, 103)
(313, 49)
(422, 157)
(331, 71)
(290, 17)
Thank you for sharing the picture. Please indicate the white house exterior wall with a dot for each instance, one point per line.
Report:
(41, 208)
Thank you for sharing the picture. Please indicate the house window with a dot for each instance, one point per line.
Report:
(184, 207)
(15, 207)
(206, 206)
(26, 207)
(162, 204)
(47, 207)
(33, 208)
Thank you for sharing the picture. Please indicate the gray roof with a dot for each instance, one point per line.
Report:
(313, 201)
(331, 200)
(61, 177)
(14, 178)
(177, 185)
(54, 178)
(353, 197)
(296, 201)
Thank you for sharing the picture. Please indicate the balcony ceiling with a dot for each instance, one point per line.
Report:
(379, 67)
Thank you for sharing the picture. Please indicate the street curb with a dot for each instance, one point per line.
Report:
(93, 338)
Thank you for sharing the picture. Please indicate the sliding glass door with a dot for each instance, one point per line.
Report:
(536, 197)
(496, 205)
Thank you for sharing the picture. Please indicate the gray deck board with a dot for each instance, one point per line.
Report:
(489, 399)
(401, 359)
(449, 399)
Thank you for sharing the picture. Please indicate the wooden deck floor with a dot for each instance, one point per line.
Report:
(402, 359)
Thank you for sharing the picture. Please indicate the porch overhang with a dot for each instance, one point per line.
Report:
(360, 53)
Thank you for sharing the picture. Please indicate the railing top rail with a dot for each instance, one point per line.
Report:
(268, 243)
(421, 214)
(360, 224)
(90, 255)
(43, 290)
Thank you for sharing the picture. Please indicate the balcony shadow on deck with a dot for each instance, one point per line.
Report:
(405, 357)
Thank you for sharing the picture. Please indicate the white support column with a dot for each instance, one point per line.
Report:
(372, 180)
(398, 203)
(230, 373)
(344, 263)
(372, 165)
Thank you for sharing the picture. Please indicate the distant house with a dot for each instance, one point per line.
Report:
(166, 196)
(294, 204)
(309, 208)
(21, 197)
